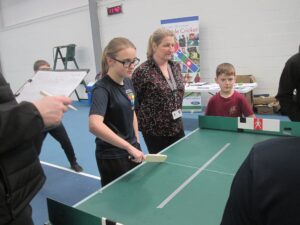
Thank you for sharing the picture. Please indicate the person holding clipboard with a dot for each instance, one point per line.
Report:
(59, 133)
(21, 174)
(158, 83)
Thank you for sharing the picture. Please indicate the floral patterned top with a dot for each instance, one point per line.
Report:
(156, 100)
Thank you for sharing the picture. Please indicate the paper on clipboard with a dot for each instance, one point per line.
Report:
(56, 82)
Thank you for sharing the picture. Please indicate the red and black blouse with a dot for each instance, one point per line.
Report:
(156, 100)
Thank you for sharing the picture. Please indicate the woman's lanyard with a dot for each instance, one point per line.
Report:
(172, 83)
(177, 113)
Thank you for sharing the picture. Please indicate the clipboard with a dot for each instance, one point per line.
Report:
(56, 82)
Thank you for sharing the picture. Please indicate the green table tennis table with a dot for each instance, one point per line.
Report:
(190, 187)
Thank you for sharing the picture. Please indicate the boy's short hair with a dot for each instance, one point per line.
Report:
(225, 68)
(39, 63)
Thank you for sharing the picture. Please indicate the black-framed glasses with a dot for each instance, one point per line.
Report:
(127, 63)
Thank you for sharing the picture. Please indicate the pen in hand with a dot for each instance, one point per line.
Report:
(45, 93)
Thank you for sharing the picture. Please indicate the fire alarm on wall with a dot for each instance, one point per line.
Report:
(114, 10)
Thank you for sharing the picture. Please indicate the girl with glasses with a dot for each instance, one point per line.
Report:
(112, 118)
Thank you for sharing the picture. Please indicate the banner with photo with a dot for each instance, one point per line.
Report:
(187, 53)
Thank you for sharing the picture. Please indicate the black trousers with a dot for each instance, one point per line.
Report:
(110, 169)
(157, 143)
(60, 134)
(24, 217)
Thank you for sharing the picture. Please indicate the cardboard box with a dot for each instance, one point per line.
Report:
(263, 100)
(247, 79)
(264, 109)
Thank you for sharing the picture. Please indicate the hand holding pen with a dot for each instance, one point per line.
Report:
(45, 93)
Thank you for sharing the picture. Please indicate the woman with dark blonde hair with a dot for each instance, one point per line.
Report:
(158, 83)
(112, 118)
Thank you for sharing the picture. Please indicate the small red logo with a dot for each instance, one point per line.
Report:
(258, 123)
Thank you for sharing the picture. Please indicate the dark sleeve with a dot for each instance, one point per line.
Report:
(288, 83)
(100, 101)
(178, 73)
(180, 84)
(238, 210)
(19, 123)
(209, 108)
(245, 106)
(137, 81)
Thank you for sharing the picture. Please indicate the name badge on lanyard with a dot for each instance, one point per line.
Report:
(177, 113)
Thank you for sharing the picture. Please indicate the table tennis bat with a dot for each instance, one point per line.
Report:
(155, 158)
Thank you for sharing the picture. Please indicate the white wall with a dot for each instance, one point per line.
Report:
(40, 26)
(33, 9)
(257, 36)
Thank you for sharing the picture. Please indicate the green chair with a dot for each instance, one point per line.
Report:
(70, 55)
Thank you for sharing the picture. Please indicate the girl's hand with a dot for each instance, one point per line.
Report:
(137, 155)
